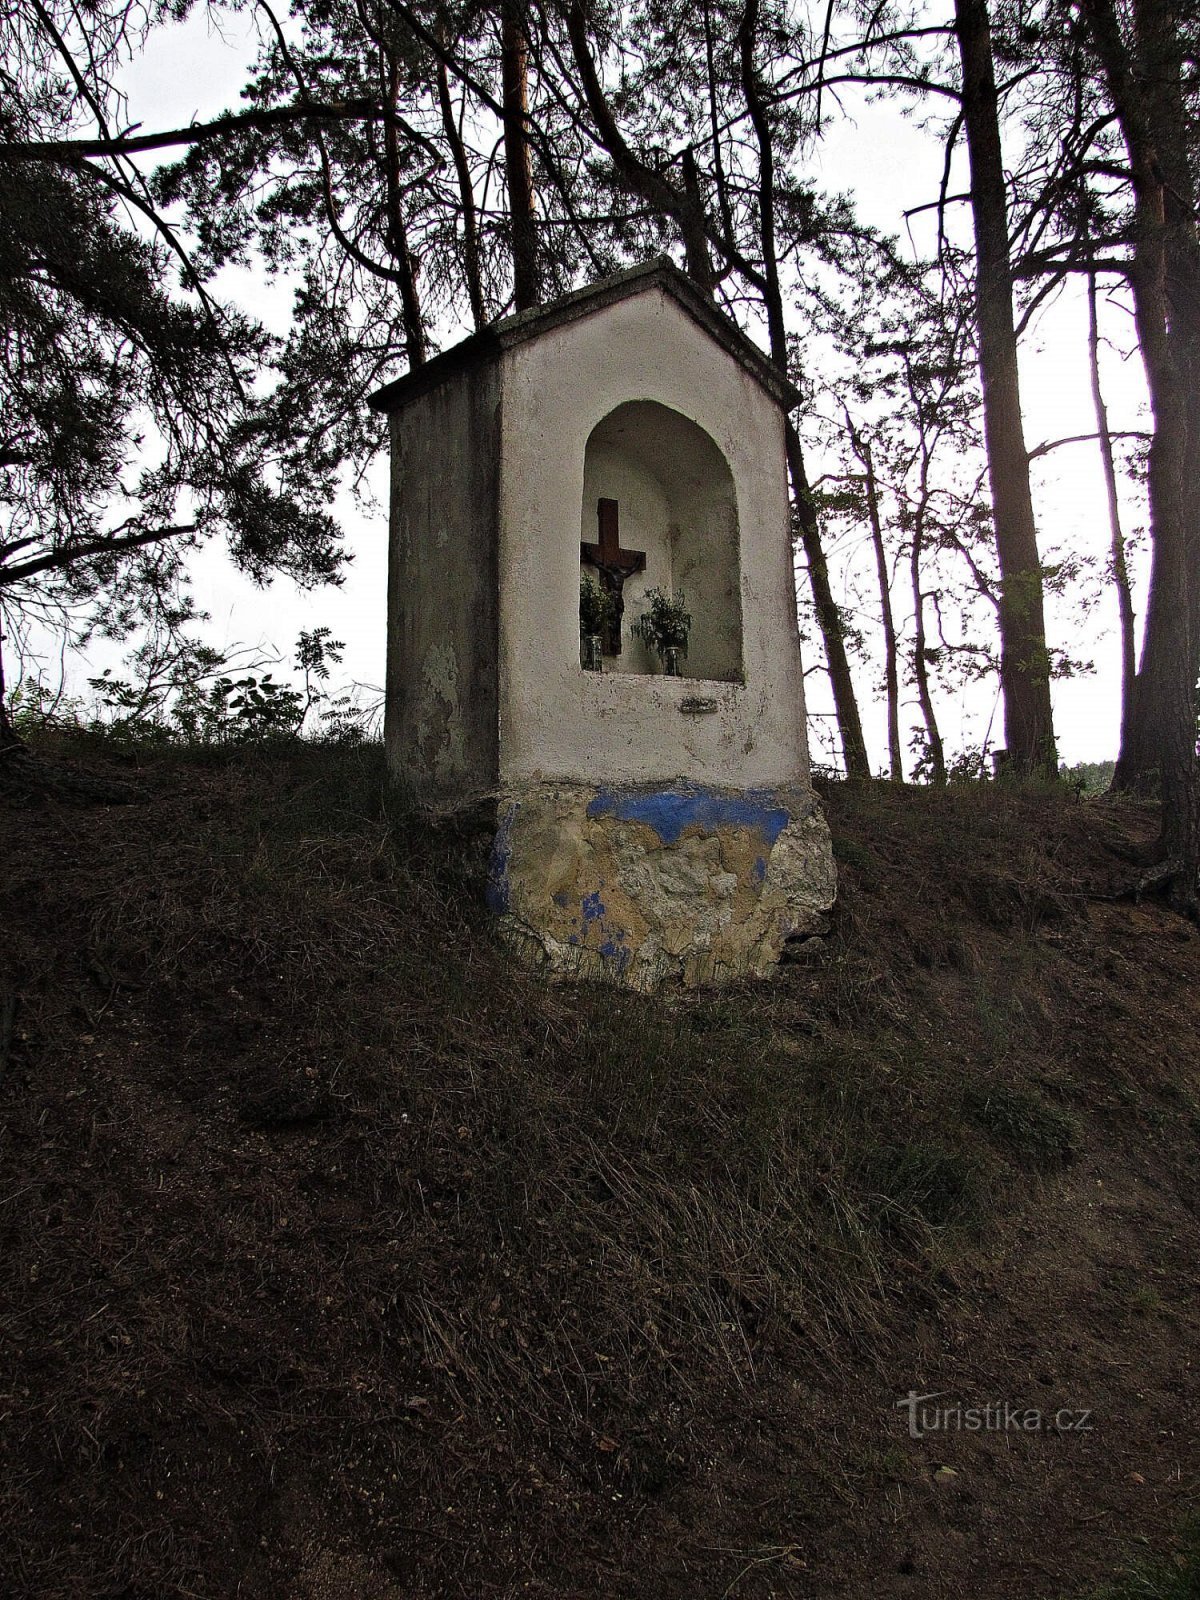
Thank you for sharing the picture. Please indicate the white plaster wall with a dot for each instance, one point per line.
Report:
(561, 722)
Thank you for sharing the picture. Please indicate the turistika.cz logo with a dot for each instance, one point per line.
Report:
(997, 1416)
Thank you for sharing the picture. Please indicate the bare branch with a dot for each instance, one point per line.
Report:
(1086, 438)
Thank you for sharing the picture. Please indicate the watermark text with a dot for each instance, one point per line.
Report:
(926, 1415)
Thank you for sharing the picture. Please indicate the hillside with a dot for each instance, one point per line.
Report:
(343, 1261)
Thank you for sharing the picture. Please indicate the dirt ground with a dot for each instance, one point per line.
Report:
(339, 1260)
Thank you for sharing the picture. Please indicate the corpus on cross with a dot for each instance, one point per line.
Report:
(614, 566)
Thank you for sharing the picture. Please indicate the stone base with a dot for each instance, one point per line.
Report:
(649, 885)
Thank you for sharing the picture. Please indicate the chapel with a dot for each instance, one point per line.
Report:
(592, 626)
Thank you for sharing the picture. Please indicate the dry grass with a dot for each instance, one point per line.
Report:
(321, 1215)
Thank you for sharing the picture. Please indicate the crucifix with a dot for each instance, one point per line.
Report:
(614, 566)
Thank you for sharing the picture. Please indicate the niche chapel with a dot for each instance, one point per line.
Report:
(573, 488)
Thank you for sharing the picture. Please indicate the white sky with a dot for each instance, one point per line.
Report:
(189, 72)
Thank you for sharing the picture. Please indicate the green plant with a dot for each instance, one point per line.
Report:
(1175, 1577)
(970, 766)
(666, 625)
(180, 691)
(852, 854)
(34, 707)
(1038, 1133)
(1088, 778)
(595, 607)
(239, 710)
(1145, 1301)
(922, 1183)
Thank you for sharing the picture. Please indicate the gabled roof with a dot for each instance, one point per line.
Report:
(660, 273)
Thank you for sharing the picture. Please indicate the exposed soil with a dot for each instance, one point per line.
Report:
(339, 1259)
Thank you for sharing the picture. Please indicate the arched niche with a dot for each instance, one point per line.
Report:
(677, 505)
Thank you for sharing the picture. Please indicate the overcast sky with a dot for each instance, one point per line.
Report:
(890, 165)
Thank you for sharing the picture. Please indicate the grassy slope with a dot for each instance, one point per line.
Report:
(340, 1258)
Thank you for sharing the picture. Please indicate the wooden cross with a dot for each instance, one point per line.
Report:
(614, 566)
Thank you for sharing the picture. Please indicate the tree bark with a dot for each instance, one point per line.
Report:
(7, 733)
(1024, 660)
(466, 197)
(933, 737)
(1144, 78)
(518, 167)
(397, 233)
(1120, 565)
(829, 617)
(891, 673)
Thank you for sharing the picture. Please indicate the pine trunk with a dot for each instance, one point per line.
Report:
(466, 196)
(397, 234)
(891, 673)
(1144, 76)
(829, 616)
(1120, 565)
(933, 737)
(514, 63)
(7, 733)
(1024, 661)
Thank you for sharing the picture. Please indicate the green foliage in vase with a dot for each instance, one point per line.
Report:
(595, 607)
(666, 625)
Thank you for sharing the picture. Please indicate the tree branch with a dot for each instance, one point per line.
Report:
(67, 555)
(1086, 438)
(71, 151)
